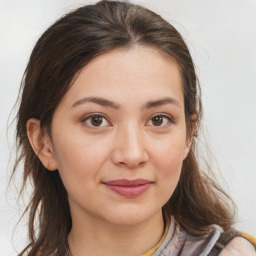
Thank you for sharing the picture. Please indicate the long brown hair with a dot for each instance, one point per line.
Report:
(64, 48)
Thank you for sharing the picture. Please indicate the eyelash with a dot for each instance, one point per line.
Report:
(162, 115)
(89, 116)
(169, 119)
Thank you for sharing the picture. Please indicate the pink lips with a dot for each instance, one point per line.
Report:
(128, 188)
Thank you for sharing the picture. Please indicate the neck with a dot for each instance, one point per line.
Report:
(96, 237)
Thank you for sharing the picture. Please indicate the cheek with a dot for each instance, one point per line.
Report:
(168, 162)
(80, 168)
(169, 156)
(79, 157)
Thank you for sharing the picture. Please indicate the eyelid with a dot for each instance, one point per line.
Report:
(90, 115)
(164, 115)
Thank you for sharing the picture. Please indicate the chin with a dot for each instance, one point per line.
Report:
(132, 216)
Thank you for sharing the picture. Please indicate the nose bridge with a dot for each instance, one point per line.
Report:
(133, 139)
(129, 148)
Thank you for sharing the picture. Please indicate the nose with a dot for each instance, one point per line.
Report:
(129, 148)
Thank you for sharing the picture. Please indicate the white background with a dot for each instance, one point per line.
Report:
(222, 37)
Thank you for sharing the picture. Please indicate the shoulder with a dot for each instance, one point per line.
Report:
(238, 246)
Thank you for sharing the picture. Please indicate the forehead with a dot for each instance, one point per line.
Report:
(133, 73)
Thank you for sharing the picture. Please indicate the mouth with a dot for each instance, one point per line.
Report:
(128, 188)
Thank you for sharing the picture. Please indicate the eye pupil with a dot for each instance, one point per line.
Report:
(157, 120)
(96, 120)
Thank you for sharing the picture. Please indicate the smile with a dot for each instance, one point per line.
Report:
(129, 188)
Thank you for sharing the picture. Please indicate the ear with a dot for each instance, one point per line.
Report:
(190, 135)
(187, 146)
(41, 144)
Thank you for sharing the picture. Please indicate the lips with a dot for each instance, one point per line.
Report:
(128, 188)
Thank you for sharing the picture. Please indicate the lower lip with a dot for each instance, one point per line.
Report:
(129, 191)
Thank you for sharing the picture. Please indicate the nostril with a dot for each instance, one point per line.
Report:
(129, 151)
(142, 163)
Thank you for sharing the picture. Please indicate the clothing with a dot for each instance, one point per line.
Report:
(151, 251)
(233, 242)
(249, 237)
(177, 242)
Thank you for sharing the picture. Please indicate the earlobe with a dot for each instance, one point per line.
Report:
(41, 144)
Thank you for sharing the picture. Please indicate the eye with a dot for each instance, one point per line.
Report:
(160, 120)
(95, 120)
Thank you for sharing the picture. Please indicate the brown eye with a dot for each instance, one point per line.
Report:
(96, 120)
(157, 120)
(160, 120)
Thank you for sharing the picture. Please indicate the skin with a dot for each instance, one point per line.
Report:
(136, 139)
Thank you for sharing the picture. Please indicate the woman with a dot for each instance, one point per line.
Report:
(109, 113)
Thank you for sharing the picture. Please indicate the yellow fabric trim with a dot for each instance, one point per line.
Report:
(249, 237)
(151, 251)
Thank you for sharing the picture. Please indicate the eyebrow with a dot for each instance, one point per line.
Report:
(160, 102)
(107, 103)
(97, 100)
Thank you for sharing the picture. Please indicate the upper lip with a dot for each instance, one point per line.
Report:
(127, 183)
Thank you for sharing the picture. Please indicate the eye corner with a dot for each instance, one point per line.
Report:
(163, 120)
(100, 121)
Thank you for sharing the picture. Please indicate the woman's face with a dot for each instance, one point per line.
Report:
(119, 136)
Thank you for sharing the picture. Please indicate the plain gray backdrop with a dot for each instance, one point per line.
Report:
(221, 36)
